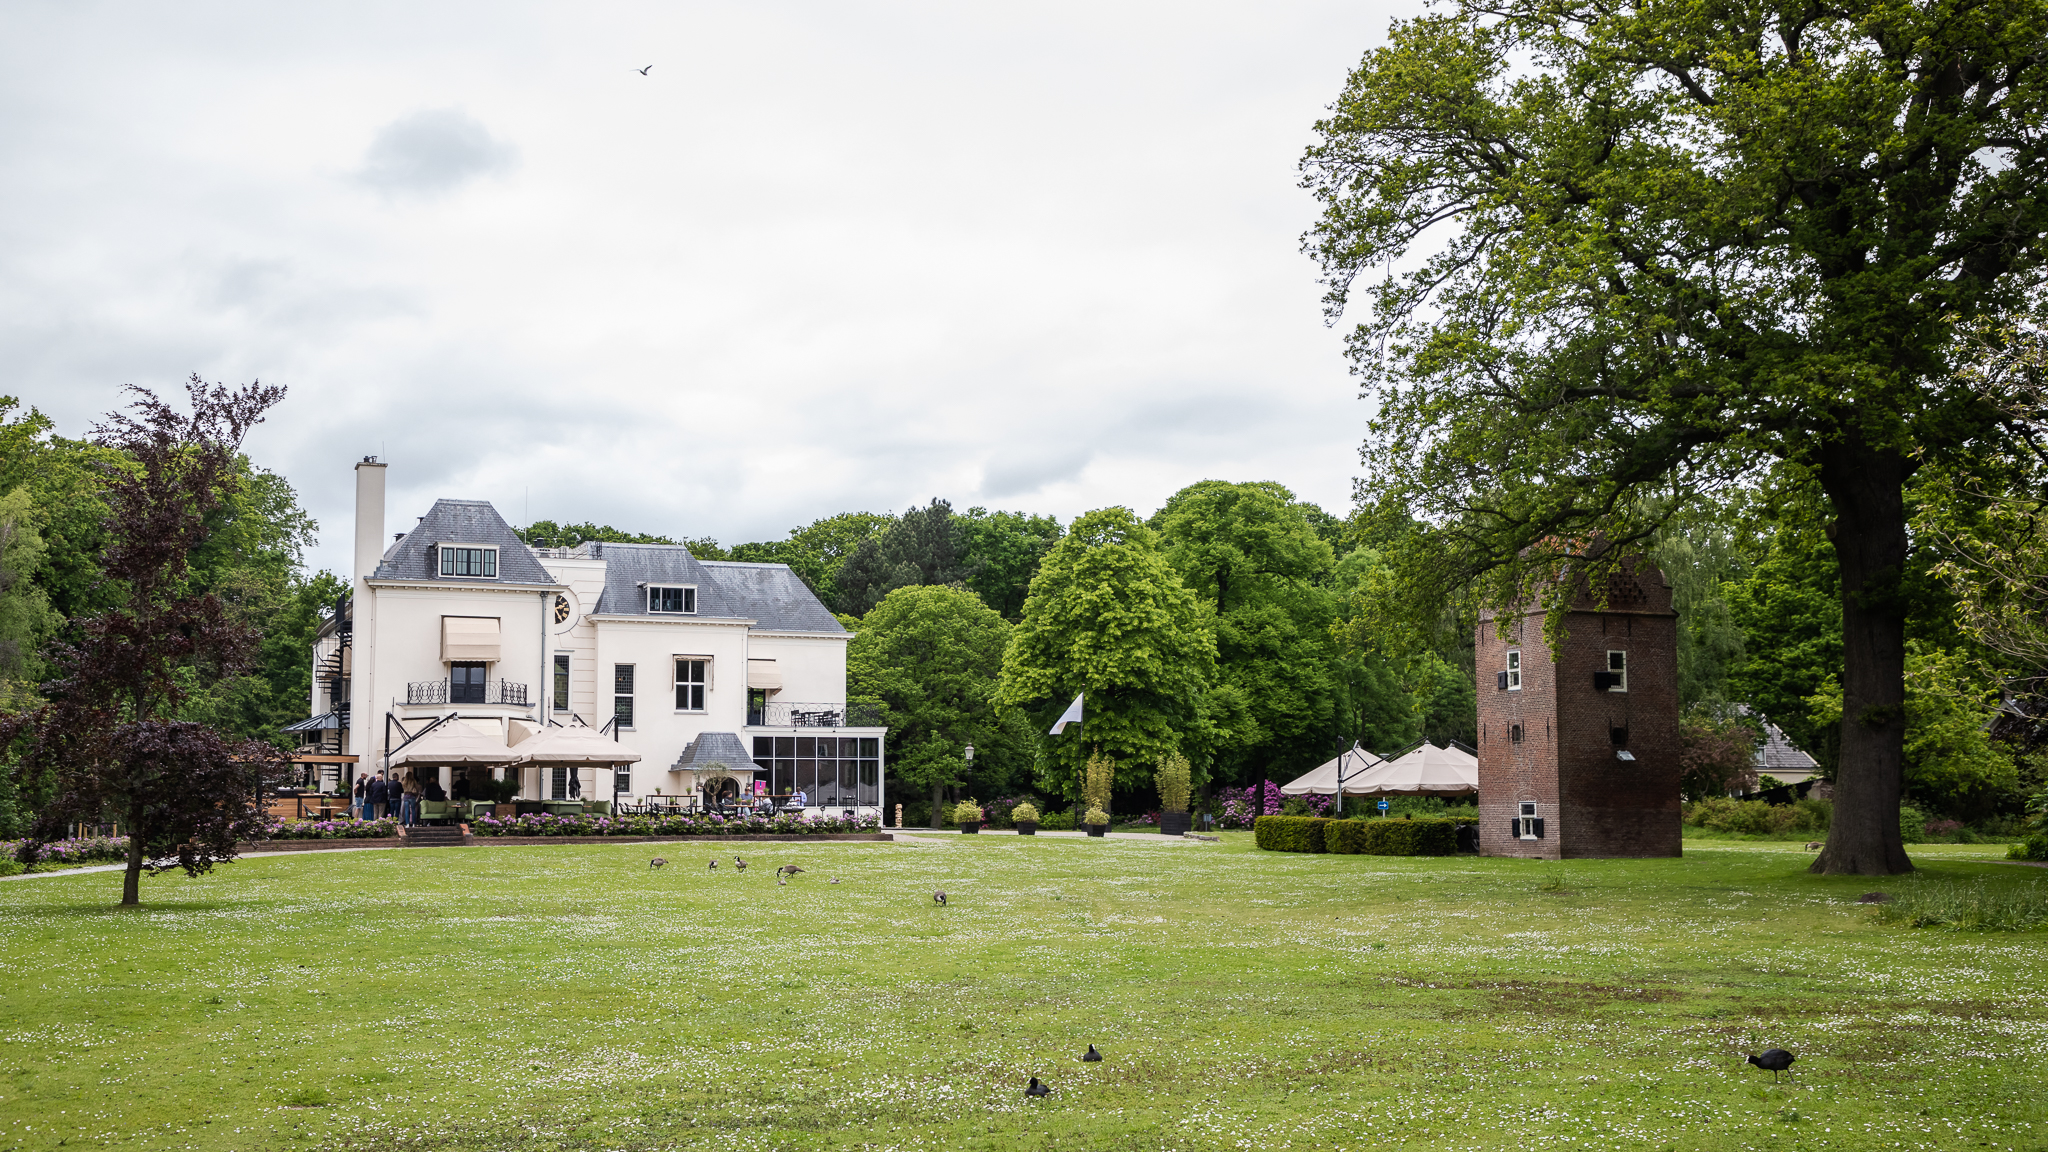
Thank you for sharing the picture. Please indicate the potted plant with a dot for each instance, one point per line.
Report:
(1097, 821)
(1175, 780)
(967, 814)
(502, 792)
(1026, 816)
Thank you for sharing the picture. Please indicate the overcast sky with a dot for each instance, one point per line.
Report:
(822, 257)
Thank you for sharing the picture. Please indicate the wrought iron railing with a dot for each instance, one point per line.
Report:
(489, 692)
(786, 714)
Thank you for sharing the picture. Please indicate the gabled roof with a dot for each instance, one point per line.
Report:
(768, 594)
(465, 522)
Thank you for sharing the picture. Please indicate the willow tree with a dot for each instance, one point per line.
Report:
(1612, 256)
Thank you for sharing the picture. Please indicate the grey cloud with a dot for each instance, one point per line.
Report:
(433, 151)
(1019, 474)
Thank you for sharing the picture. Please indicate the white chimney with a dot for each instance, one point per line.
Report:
(369, 518)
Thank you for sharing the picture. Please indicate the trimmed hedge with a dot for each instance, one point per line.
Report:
(1291, 833)
(1394, 836)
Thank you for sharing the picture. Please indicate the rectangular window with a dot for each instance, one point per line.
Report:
(466, 682)
(1514, 669)
(672, 599)
(1617, 671)
(461, 561)
(690, 679)
(561, 681)
(622, 695)
(622, 780)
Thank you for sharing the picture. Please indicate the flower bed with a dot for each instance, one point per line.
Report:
(83, 850)
(543, 824)
(331, 829)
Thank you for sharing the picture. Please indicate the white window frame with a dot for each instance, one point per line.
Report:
(1514, 669)
(1528, 821)
(632, 704)
(487, 559)
(689, 592)
(1620, 685)
(702, 687)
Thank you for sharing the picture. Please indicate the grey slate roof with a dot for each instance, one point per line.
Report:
(1780, 755)
(716, 747)
(769, 594)
(466, 522)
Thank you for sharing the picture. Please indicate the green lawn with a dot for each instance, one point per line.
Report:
(570, 997)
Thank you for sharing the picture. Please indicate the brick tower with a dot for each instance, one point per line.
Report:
(1578, 753)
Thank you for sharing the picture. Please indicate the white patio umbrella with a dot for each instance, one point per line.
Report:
(452, 743)
(1322, 781)
(576, 746)
(1426, 771)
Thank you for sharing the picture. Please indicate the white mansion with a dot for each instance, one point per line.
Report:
(685, 662)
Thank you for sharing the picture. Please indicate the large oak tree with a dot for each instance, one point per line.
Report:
(1611, 252)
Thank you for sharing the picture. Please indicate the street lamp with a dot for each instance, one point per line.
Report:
(968, 783)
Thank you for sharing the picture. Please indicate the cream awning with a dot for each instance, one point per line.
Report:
(1427, 771)
(469, 638)
(577, 745)
(1322, 781)
(451, 742)
(764, 674)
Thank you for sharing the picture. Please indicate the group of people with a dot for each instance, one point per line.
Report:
(377, 796)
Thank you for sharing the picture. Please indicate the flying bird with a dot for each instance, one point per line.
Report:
(739, 864)
(657, 862)
(1775, 1059)
(939, 898)
(647, 69)
(1091, 1056)
(1036, 1089)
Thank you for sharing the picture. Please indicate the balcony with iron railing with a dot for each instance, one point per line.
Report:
(787, 714)
(485, 692)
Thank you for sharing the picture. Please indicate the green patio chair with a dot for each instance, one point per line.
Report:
(598, 807)
(565, 808)
(433, 811)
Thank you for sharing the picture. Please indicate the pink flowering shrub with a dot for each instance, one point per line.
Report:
(678, 824)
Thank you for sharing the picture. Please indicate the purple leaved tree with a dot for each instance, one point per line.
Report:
(109, 742)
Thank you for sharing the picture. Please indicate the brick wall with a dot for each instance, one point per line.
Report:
(1592, 803)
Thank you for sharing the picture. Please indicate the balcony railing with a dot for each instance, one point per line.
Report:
(785, 714)
(444, 692)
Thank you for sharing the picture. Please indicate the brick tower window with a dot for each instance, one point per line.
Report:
(1617, 671)
(1514, 670)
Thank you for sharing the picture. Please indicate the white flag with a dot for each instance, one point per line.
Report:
(1071, 716)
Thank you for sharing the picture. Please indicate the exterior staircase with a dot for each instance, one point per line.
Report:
(433, 836)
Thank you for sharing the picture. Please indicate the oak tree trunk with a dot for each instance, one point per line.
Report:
(131, 881)
(938, 792)
(1867, 489)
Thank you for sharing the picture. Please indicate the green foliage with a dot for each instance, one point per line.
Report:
(1399, 688)
(816, 551)
(1256, 564)
(1003, 550)
(1952, 763)
(1393, 837)
(26, 619)
(966, 812)
(1789, 607)
(1290, 833)
(1098, 781)
(931, 656)
(1095, 816)
(1025, 813)
(1698, 555)
(1060, 821)
(548, 534)
(1757, 818)
(1172, 776)
(1109, 618)
(924, 546)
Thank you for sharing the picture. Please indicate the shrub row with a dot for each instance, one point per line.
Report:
(1437, 836)
(332, 829)
(80, 850)
(711, 824)
(1389, 836)
(1727, 814)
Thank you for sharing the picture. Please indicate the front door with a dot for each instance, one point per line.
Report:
(466, 683)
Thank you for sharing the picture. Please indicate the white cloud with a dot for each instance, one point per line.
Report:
(825, 256)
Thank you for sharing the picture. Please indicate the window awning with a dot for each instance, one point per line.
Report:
(764, 674)
(469, 638)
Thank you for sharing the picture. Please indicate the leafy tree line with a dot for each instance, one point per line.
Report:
(248, 555)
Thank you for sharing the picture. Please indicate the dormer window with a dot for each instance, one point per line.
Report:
(469, 560)
(672, 599)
